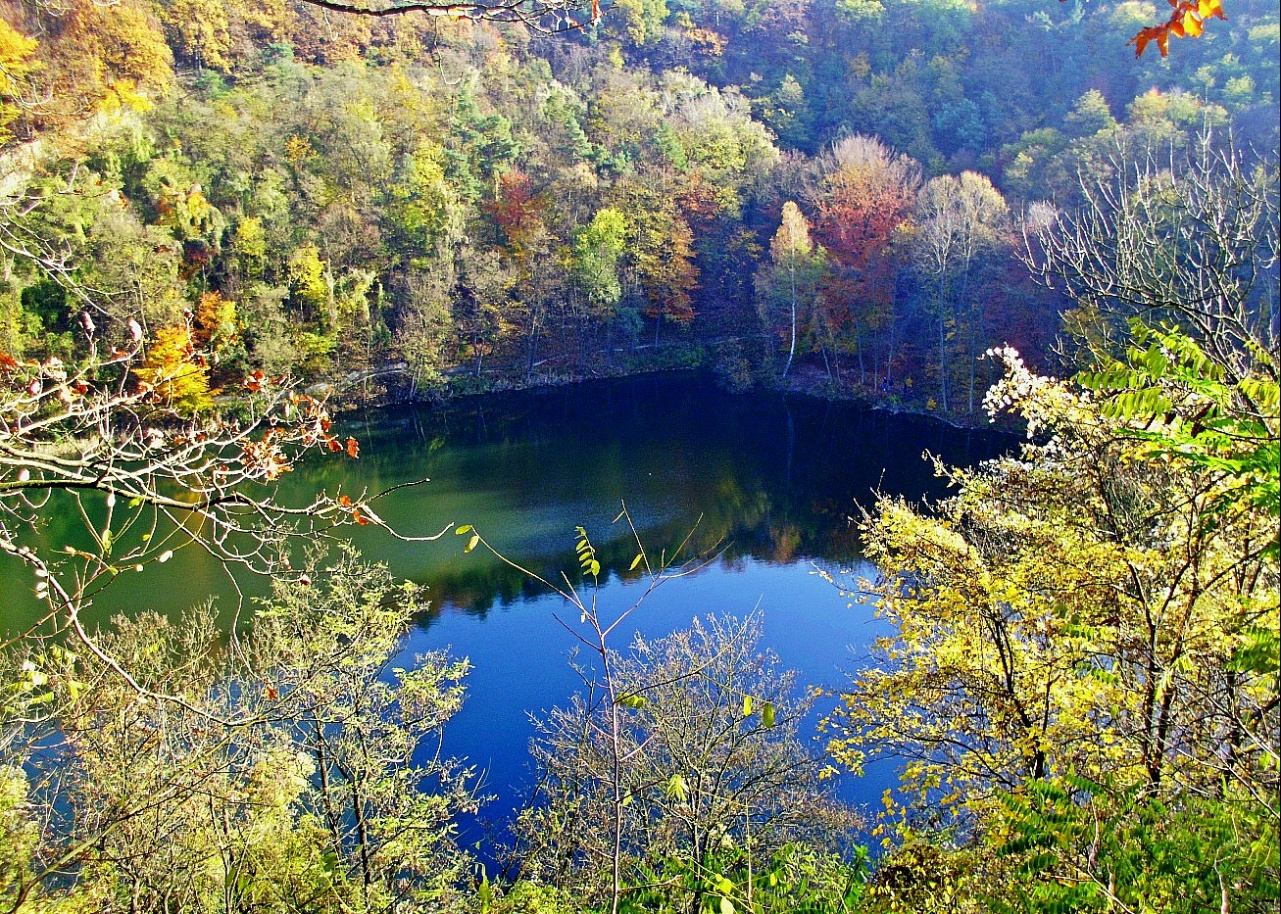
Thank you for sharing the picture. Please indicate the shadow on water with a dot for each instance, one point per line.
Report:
(762, 476)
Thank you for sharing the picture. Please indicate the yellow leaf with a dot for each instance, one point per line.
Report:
(1208, 8)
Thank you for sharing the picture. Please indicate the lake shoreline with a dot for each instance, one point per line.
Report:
(806, 381)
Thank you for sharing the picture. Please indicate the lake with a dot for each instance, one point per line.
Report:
(763, 484)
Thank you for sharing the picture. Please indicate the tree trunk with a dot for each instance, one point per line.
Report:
(791, 352)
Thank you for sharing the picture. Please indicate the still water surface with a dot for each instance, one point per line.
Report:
(766, 482)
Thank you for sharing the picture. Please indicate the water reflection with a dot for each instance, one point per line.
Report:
(761, 476)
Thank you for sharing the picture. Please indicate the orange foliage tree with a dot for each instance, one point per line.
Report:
(518, 211)
(659, 252)
(866, 198)
(668, 272)
(92, 57)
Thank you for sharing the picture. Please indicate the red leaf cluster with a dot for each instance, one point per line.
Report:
(1187, 20)
(518, 208)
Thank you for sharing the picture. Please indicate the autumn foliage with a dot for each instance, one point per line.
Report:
(518, 209)
(176, 371)
(867, 197)
(1187, 20)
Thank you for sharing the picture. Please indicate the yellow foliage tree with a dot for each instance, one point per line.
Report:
(1080, 610)
(201, 30)
(15, 53)
(309, 284)
(110, 56)
(176, 372)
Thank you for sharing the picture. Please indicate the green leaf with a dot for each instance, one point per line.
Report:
(485, 893)
(747, 705)
(636, 561)
(677, 788)
(767, 714)
(471, 544)
(465, 528)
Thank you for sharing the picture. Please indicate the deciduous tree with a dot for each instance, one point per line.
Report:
(177, 374)
(791, 281)
(959, 222)
(325, 794)
(15, 64)
(710, 738)
(1085, 635)
(864, 201)
(1191, 240)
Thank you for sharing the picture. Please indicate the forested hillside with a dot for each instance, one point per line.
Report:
(220, 220)
(835, 191)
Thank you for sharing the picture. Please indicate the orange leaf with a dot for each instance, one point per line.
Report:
(1208, 8)
(353, 447)
(334, 444)
(360, 518)
(344, 500)
(1192, 24)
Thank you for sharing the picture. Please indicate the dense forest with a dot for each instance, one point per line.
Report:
(221, 221)
(830, 193)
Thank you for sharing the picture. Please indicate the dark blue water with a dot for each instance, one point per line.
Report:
(766, 485)
(520, 653)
